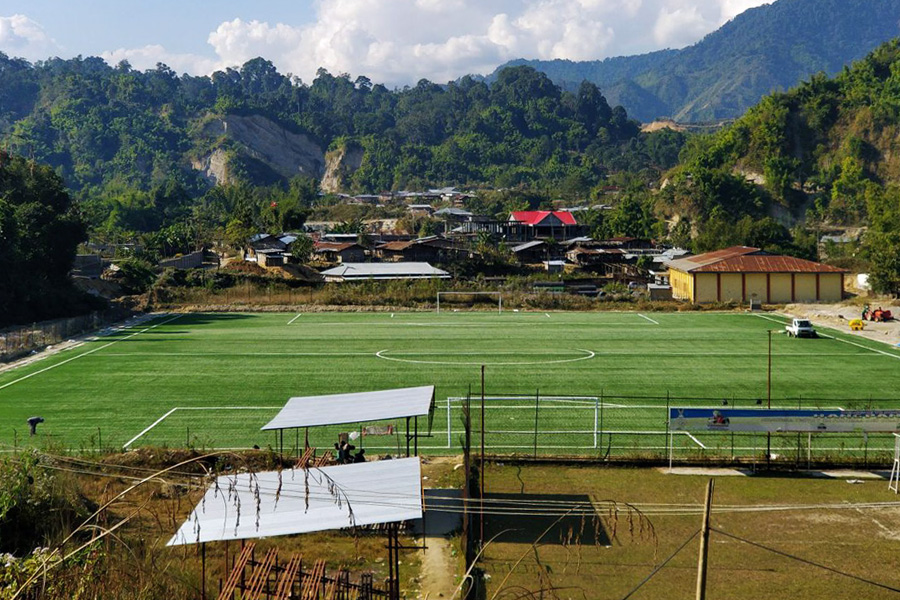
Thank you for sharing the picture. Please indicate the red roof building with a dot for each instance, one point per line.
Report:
(546, 223)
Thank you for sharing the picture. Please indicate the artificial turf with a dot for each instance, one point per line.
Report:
(114, 387)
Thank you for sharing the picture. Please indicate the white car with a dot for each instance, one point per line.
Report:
(800, 328)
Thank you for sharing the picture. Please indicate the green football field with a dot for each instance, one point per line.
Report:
(586, 382)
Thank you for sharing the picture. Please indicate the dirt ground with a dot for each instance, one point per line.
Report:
(851, 526)
(839, 315)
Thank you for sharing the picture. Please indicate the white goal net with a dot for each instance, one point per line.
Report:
(468, 300)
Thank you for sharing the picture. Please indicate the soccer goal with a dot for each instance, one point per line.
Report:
(456, 300)
(894, 483)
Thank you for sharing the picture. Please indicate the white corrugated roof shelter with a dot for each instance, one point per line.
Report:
(255, 505)
(359, 407)
(388, 270)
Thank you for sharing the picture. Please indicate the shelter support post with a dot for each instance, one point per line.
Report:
(203, 571)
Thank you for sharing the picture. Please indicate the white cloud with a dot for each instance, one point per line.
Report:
(678, 27)
(398, 42)
(149, 56)
(25, 38)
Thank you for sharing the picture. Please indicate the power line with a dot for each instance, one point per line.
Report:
(807, 561)
(660, 566)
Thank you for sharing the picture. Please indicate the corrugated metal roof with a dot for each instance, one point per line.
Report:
(766, 263)
(401, 270)
(691, 263)
(359, 407)
(334, 246)
(527, 245)
(744, 259)
(534, 217)
(396, 246)
(273, 503)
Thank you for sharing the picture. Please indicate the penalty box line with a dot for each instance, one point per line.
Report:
(168, 414)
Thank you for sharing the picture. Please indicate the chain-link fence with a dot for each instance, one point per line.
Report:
(18, 341)
(636, 427)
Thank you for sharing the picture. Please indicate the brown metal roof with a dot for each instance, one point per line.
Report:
(692, 263)
(334, 246)
(396, 246)
(744, 259)
(767, 263)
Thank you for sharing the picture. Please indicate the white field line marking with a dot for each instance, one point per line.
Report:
(838, 339)
(649, 319)
(295, 318)
(239, 354)
(5, 385)
(588, 355)
(860, 346)
(770, 319)
(696, 441)
(163, 418)
(476, 323)
(154, 424)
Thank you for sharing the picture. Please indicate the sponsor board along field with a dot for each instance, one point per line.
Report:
(566, 383)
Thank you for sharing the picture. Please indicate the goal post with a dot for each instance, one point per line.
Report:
(498, 295)
(894, 482)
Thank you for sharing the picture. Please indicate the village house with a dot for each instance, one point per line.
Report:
(546, 223)
(339, 252)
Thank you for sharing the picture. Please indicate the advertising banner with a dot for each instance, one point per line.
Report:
(778, 420)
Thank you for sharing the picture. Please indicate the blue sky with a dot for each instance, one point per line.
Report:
(391, 41)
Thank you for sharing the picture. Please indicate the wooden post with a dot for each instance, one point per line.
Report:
(704, 543)
(203, 571)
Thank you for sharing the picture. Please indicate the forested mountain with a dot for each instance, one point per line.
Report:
(145, 150)
(825, 151)
(772, 47)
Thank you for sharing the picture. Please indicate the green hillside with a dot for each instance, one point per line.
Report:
(772, 47)
(824, 152)
(105, 128)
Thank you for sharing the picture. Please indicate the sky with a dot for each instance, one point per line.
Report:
(395, 42)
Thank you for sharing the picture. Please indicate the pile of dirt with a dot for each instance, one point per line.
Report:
(245, 266)
(301, 272)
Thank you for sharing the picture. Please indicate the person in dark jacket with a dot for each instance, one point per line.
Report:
(33, 423)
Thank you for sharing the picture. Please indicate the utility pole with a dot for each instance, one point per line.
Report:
(769, 400)
(481, 474)
(704, 543)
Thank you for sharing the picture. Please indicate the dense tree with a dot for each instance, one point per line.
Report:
(39, 232)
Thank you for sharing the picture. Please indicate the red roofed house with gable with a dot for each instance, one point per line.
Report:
(556, 224)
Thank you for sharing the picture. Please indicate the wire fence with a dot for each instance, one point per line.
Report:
(15, 342)
(594, 427)
(637, 427)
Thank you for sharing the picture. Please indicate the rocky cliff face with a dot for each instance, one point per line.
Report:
(340, 165)
(284, 152)
(214, 167)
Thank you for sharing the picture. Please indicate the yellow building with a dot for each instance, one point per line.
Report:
(742, 274)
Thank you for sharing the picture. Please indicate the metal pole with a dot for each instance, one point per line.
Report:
(449, 425)
(596, 416)
(537, 403)
(769, 400)
(704, 544)
(481, 474)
